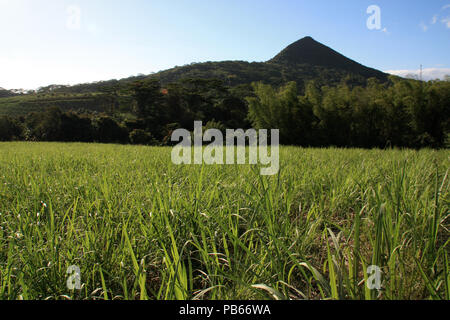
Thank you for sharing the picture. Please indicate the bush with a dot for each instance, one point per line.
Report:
(107, 130)
(10, 129)
(139, 136)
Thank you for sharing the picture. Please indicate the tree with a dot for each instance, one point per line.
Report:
(10, 129)
(76, 128)
(107, 130)
(148, 96)
(142, 137)
(281, 109)
(45, 126)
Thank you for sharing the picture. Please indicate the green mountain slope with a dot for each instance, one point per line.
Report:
(302, 61)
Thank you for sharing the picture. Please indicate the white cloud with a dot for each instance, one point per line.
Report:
(434, 19)
(427, 74)
(423, 26)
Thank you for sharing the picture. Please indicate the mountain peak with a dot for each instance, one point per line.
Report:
(311, 52)
(307, 38)
(308, 51)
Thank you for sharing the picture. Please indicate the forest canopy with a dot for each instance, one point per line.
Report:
(400, 113)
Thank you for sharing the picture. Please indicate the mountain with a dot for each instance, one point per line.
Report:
(301, 61)
(310, 52)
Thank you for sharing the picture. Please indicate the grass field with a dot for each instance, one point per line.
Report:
(139, 227)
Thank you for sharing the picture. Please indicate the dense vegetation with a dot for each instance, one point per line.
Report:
(406, 114)
(140, 227)
(402, 113)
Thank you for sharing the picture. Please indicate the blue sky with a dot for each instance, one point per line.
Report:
(67, 42)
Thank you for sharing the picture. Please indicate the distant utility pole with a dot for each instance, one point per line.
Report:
(421, 73)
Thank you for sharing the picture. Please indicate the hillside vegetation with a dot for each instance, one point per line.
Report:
(301, 62)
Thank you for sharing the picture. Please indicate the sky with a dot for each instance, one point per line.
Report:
(47, 42)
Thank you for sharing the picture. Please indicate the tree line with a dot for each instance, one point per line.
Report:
(401, 113)
(397, 113)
